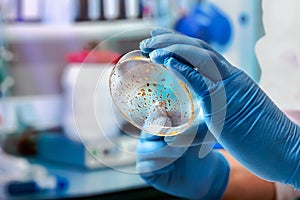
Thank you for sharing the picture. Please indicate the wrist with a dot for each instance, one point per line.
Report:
(221, 177)
(243, 184)
(294, 181)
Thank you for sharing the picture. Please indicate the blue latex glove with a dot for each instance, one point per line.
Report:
(237, 112)
(178, 170)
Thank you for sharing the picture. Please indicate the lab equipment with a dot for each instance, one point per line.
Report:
(93, 154)
(258, 134)
(144, 91)
(85, 85)
(19, 176)
(178, 170)
(91, 125)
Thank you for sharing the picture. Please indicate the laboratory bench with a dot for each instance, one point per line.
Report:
(85, 180)
(104, 183)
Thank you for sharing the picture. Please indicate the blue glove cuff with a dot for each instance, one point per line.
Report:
(221, 178)
(295, 179)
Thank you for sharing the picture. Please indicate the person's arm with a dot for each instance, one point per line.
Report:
(244, 185)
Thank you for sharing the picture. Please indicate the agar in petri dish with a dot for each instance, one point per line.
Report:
(152, 97)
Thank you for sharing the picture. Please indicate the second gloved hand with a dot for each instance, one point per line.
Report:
(178, 170)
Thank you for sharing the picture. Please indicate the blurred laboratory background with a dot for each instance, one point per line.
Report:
(57, 143)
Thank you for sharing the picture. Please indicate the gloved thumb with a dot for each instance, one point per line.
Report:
(192, 136)
(160, 31)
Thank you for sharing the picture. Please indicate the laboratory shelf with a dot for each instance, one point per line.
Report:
(83, 30)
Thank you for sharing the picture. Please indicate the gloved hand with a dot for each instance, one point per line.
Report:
(238, 113)
(178, 170)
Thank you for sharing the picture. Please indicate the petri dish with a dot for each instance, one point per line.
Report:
(152, 97)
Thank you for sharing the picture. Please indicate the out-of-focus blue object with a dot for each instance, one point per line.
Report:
(207, 22)
(237, 112)
(188, 176)
(244, 18)
(94, 154)
(16, 188)
(66, 151)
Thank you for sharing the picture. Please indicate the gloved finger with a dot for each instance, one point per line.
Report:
(149, 143)
(156, 155)
(165, 40)
(162, 37)
(194, 79)
(144, 136)
(205, 45)
(206, 62)
(160, 31)
(191, 137)
(157, 150)
(149, 156)
(153, 153)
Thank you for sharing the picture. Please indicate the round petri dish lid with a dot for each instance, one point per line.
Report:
(150, 96)
(133, 55)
